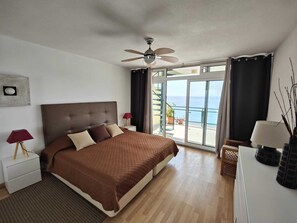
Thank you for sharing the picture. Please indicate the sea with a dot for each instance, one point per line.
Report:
(196, 109)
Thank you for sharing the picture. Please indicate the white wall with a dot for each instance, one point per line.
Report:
(55, 77)
(282, 70)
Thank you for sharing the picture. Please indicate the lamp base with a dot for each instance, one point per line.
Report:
(268, 156)
(24, 150)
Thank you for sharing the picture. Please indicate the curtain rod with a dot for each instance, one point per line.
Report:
(253, 55)
(196, 63)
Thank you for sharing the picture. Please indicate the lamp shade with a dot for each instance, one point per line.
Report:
(127, 116)
(270, 134)
(19, 136)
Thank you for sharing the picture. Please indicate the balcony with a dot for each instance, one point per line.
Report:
(196, 133)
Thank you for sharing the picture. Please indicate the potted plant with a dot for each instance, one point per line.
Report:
(170, 114)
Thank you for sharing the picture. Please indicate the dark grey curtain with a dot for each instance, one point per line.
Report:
(139, 80)
(249, 93)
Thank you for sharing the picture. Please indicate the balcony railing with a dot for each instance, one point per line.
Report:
(197, 114)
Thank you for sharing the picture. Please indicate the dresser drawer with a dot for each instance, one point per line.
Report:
(22, 168)
(241, 209)
(23, 181)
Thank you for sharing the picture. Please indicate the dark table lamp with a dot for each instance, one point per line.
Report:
(127, 116)
(270, 135)
(19, 136)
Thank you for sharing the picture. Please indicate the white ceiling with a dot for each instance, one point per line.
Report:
(198, 30)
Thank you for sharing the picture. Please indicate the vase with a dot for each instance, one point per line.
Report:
(287, 171)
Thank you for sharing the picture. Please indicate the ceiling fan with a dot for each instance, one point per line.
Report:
(150, 55)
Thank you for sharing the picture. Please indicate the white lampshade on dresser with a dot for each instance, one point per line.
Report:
(270, 135)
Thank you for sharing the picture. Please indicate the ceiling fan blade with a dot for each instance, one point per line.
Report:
(161, 51)
(169, 59)
(131, 59)
(134, 51)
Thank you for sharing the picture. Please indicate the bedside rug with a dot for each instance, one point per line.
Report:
(48, 201)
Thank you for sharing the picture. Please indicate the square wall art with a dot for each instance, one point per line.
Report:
(14, 90)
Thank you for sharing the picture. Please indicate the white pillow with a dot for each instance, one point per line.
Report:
(114, 130)
(81, 140)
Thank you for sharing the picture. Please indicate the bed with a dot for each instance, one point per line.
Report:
(110, 173)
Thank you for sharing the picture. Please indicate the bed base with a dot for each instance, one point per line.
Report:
(162, 164)
(128, 196)
(124, 200)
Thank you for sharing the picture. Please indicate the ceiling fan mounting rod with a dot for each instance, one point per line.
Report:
(149, 40)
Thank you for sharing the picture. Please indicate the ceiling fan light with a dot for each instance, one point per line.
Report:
(149, 58)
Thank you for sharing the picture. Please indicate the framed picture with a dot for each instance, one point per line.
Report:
(14, 90)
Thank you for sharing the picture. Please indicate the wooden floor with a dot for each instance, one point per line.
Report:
(190, 189)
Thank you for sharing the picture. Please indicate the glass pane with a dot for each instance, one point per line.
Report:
(184, 71)
(158, 73)
(214, 97)
(158, 108)
(176, 109)
(217, 68)
(196, 112)
(213, 68)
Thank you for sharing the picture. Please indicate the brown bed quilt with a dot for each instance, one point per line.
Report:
(108, 170)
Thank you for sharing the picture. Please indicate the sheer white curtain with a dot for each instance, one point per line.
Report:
(223, 126)
(148, 120)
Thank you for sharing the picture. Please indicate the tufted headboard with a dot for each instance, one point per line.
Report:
(62, 119)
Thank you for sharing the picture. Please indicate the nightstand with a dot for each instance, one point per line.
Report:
(21, 172)
(130, 127)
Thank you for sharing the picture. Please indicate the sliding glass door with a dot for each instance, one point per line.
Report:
(204, 99)
(159, 102)
(158, 108)
(196, 111)
(186, 104)
(176, 109)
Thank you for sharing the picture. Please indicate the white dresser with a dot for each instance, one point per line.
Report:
(258, 197)
(21, 172)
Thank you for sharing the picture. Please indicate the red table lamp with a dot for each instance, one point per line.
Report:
(19, 136)
(127, 116)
